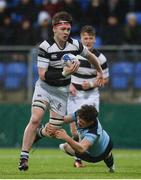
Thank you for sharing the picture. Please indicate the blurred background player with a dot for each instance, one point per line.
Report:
(95, 144)
(84, 87)
(53, 80)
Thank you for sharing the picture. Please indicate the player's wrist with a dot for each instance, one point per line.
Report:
(91, 84)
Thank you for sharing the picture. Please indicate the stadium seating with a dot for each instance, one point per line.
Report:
(138, 68)
(138, 15)
(2, 72)
(118, 82)
(98, 42)
(16, 75)
(12, 83)
(38, 2)
(125, 68)
(17, 68)
(121, 73)
(137, 76)
(137, 82)
(84, 4)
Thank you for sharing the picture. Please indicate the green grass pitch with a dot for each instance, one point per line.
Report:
(54, 164)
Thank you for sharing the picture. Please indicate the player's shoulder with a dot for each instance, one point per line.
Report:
(96, 52)
(75, 42)
(100, 55)
(46, 43)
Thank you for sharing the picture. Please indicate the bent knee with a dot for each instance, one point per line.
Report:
(34, 120)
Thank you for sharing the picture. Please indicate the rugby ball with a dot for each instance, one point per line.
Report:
(68, 59)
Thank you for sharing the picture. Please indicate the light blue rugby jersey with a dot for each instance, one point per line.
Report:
(97, 136)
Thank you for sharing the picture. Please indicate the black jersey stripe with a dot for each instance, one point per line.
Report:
(80, 47)
(84, 63)
(84, 76)
(51, 68)
(96, 52)
(58, 82)
(58, 55)
(42, 53)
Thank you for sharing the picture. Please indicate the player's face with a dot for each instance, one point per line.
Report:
(62, 32)
(82, 123)
(87, 40)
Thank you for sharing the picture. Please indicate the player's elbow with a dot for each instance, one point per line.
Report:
(41, 73)
(81, 150)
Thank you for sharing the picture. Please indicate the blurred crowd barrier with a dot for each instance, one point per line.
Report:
(18, 74)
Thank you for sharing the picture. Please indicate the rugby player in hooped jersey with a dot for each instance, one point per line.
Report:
(84, 87)
(52, 87)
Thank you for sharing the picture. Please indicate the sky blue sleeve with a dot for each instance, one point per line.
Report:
(90, 137)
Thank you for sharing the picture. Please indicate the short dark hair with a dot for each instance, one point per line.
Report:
(61, 16)
(87, 113)
(89, 29)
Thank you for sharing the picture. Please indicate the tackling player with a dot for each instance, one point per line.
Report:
(95, 144)
(51, 90)
(84, 87)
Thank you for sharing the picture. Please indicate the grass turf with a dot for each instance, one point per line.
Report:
(54, 164)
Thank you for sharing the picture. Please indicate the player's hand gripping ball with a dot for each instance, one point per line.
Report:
(68, 59)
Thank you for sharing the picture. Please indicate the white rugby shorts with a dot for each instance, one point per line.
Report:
(56, 97)
(90, 97)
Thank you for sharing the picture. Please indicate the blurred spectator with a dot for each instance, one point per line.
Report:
(51, 6)
(7, 32)
(27, 9)
(2, 11)
(43, 26)
(26, 33)
(132, 31)
(95, 14)
(135, 5)
(117, 8)
(112, 32)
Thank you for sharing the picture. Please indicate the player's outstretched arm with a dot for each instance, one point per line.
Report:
(94, 60)
(79, 147)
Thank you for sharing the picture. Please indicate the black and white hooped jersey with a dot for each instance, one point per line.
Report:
(87, 71)
(49, 57)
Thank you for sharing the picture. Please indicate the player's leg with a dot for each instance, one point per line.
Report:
(109, 161)
(56, 121)
(38, 110)
(58, 106)
(65, 147)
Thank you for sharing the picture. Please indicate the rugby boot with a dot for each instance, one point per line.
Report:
(23, 165)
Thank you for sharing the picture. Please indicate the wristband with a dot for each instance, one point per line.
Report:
(91, 84)
(64, 74)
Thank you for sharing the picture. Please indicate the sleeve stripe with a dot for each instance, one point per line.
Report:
(42, 53)
(80, 47)
(42, 61)
(40, 49)
(104, 65)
